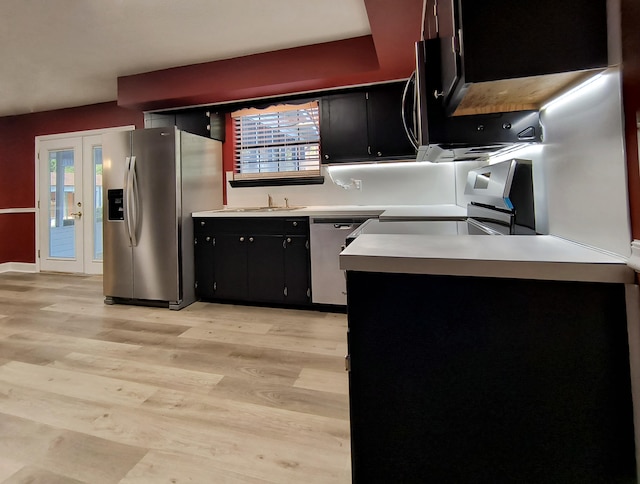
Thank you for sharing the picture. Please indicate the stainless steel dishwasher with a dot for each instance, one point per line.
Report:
(328, 238)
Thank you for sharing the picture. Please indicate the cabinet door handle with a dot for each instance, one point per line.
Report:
(284, 244)
(208, 239)
(202, 223)
(285, 291)
(295, 224)
(288, 240)
(241, 239)
(250, 239)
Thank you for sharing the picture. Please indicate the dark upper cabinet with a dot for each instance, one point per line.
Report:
(197, 121)
(387, 137)
(429, 23)
(497, 40)
(343, 127)
(364, 125)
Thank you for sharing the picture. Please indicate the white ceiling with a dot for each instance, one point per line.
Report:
(64, 53)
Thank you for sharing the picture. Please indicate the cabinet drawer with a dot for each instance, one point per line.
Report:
(202, 225)
(296, 226)
(249, 226)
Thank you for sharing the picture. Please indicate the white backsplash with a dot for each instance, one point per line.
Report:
(584, 167)
(403, 183)
(580, 175)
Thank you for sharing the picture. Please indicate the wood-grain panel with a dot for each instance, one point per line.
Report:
(92, 393)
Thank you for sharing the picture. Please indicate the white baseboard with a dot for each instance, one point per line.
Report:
(17, 267)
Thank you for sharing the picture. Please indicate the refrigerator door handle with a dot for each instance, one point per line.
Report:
(127, 198)
(135, 212)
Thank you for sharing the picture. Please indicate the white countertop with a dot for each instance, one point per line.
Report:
(390, 212)
(424, 212)
(542, 257)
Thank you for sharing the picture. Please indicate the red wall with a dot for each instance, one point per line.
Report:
(17, 164)
(17, 237)
(386, 54)
(630, 16)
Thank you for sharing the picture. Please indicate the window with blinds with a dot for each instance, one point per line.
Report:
(279, 141)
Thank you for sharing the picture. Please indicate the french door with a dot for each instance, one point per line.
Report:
(70, 204)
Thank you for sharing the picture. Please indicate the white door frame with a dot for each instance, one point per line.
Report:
(92, 268)
(69, 262)
(91, 265)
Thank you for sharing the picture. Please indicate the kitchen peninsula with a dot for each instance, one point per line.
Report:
(488, 359)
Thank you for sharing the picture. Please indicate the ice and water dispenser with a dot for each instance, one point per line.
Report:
(115, 199)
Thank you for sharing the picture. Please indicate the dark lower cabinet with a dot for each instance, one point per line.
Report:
(265, 268)
(297, 285)
(203, 254)
(262, 260)
(231, 268)
(484, 380)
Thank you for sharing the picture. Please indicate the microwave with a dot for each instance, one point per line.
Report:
(438, 137)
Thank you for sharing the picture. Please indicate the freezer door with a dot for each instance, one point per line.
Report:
(117, 263)
(155, 221)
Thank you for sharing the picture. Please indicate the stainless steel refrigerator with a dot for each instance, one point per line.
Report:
(153, 179)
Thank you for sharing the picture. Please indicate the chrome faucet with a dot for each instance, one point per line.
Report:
(286, 202)
(270, 200)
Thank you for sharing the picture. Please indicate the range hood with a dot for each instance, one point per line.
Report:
(438, 153)
(438, 137)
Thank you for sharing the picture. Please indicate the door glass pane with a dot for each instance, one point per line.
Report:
(62, 191)
(97, 202)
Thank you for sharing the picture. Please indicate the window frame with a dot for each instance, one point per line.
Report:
(265, 126)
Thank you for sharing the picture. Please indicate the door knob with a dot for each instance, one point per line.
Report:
(76, 214)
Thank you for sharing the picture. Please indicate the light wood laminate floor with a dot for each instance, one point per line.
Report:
(124, 394)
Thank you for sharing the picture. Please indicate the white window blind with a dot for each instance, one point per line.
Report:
(279, 141)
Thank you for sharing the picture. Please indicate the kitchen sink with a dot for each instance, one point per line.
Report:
(257, 209)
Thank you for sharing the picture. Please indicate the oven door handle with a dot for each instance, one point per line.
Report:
(483, 228)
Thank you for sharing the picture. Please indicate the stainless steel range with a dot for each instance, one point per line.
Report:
(502, 199)
(502, 203)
